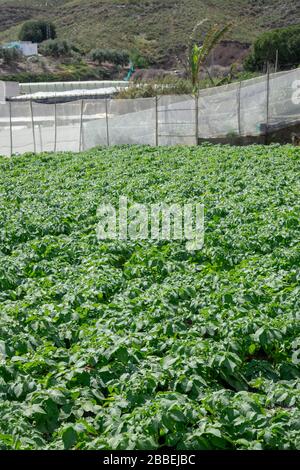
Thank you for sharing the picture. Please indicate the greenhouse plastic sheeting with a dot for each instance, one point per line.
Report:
(176, 117)
(69, 86)
(131, 121)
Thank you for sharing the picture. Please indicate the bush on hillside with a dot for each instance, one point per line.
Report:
(9, 56)
(58, 48)
(284, 40)
(37, 31)
(109, 55)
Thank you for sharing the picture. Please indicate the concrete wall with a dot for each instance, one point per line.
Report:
(8, 89)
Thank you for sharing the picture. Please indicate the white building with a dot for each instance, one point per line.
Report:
(27, 48)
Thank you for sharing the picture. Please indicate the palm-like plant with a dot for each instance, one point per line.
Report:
(197, 55)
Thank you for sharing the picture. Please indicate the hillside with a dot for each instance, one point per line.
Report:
(117, 23)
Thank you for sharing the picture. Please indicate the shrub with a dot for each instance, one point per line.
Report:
(37, 31)
(284, 40)
(57, 48)
(109, 55)
(9, 56)
(164, 86)
(138, 60)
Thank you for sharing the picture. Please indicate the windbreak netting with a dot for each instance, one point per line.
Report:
(253, 106)
(218, 111)
(22, 128)
(68, 126)
(176, 120)
(131, 121)
(284, 97)
(5, 130)
(44, 126)
(94, 124)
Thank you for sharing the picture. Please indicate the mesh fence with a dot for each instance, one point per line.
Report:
(249, 108)
(176, 120)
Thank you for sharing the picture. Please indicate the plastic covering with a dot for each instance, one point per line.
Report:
(249, 108)
(26, 88)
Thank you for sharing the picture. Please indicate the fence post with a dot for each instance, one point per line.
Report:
(239, 107)
(267, 105)
(32, 125)
(80, 131)
(55, 127)
(196, 117)
(156, 121)
(10, 130)
(276, 61)
(107, 128)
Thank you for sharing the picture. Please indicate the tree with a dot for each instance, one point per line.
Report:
(37, 31)
(284, 40)
(198, 54)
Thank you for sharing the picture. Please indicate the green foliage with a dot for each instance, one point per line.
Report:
(197, 55)
(164, 86)
(37, 31)
(58, 48)
(138, 60)
(9, 56)
(284, 40)
(109, 55)
(140, 344)
(67, 73)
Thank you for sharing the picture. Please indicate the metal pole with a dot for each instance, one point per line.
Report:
(10, 130)
(268, 104)
(55, 126)
(196, 118)
(239, 107)
(156, 121)
(32, 125)
(276, 61)
(107, 128)
(80, 132)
